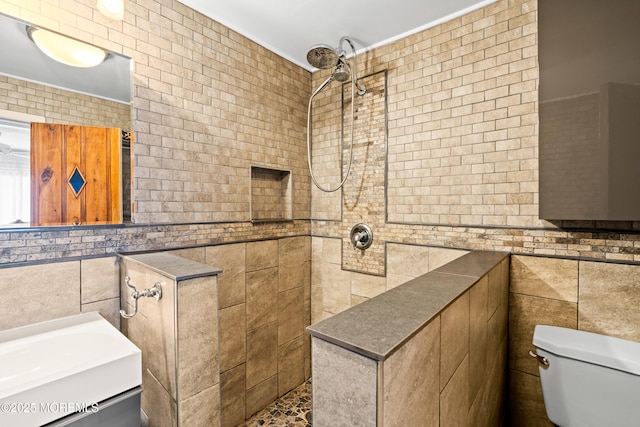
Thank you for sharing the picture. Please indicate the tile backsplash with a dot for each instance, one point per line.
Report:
(35, 293)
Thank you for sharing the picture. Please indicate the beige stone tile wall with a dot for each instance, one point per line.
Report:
(153, 330)
(178, 337)
(464, 373)
(100, 287)
(264, 306)
(364, 191)
(39, 292)
(344, 387)
(462, 123)
(452, 372)
(464, 113)
(586, 295)
(335, 289)
(417, 364)
(187, 137)
(329, 149)
(198, 375)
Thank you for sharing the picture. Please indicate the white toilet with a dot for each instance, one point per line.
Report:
(588, 380)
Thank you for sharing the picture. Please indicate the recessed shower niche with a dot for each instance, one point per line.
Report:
(270, 194)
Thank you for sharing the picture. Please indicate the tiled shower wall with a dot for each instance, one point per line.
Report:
(462, 120)
(335, 290)
(264, 300)
(462, 145)
(462, 172)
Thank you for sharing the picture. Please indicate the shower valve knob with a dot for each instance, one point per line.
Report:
(361, 236)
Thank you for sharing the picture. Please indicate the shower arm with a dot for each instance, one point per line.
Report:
(324, 83)
(361, 88)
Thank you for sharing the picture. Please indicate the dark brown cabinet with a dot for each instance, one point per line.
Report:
(589, 109)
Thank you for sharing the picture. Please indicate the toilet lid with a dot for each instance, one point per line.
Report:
(588, 347)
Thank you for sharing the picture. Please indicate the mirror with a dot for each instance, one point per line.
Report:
(36, 88)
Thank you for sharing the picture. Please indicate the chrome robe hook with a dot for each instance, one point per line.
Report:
(154, 292)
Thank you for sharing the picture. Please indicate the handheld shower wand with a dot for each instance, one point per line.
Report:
(325, 57)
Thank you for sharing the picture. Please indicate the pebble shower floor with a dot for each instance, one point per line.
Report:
(291, 410)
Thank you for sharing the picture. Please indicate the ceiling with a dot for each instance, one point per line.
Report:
(290, 28)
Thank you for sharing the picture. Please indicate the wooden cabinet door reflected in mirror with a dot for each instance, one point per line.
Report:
(75, 175)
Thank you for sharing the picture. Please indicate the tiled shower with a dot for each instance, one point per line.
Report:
(453, 169)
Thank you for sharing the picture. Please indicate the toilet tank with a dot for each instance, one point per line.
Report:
(591, 379)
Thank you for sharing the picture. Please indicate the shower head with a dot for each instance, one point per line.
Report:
(323, 57)
(342, 73)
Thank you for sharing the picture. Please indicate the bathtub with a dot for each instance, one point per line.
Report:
(69, 365)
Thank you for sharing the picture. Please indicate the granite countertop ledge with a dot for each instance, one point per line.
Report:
(173, 266)
(377, 327)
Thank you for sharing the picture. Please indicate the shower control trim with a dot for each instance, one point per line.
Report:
(361, 236)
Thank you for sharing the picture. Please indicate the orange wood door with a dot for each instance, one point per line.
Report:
(73, 207)
(46, 174)
(76, 177)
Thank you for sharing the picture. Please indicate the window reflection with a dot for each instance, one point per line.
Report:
(14, 173)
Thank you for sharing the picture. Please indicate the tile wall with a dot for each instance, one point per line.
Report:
(586, 295)
(264, 306)
(462, 119)
(468, 386)
(178, 336)
(35, 293)
(455, 366)
(489, 51)
(334, 289)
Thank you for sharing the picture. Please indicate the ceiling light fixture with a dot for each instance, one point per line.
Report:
(113, 9)
(66, 50)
